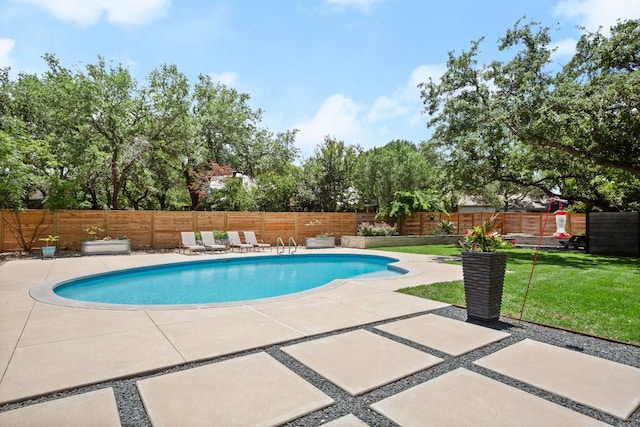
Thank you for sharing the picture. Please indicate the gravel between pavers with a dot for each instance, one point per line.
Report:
(132, 412)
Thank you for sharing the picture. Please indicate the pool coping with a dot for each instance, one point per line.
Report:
(44, 292)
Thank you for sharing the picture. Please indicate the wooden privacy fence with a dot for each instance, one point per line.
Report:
(161, 229)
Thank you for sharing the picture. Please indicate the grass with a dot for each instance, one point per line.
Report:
(595, 295)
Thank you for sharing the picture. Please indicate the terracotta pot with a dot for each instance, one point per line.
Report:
(483, 274)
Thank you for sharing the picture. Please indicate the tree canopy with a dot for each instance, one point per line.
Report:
(569, 130)
(95, 137)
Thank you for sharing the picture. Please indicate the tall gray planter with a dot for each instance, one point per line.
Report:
(483, 274)
(320, 242)
(105, 247)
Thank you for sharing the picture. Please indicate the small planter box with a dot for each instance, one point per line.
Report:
(320, 242)
(106, 247)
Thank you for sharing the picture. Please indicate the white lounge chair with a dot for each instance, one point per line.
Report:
(209, 242)
(250, 238)
(235, 242)
(189, 242)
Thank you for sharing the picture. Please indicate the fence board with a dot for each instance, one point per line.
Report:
(278, 225)
(34, 224)
(576, 223)
(168, 225)
(342, 224)
(136, 225)
(161, 229)
(72, 225)
(209, 221)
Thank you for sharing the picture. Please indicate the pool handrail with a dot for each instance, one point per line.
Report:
(291, 242)
(295, 245)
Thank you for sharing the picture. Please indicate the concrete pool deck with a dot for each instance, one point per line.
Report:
(46, 349)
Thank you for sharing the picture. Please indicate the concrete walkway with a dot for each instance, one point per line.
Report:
(359, 337)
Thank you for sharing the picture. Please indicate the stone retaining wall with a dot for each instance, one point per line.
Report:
(367, 242)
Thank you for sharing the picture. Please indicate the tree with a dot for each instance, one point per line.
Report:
(399, 166)
(328, 177)
(567, 131)
(406, 203)
(229, 132)
(168, 99)
(129, 126)
(27, 165)
(274, 192)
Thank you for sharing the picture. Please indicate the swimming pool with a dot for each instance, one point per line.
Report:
(214, 281)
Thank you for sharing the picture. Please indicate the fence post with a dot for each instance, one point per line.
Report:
(152, 230)
(105, 221)
(55, 221)
(262, 225)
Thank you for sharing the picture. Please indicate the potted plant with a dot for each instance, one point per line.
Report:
(49, 249)
(221, 236)
(104, 246)
(320, 240)
(483, 270)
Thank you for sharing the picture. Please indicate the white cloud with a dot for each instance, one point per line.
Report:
(388, 117)
(566, 47)
(339, 117)
(84, 12)
(364, 5)
(386, 108)
(593, 14)
(6, 46)
(405, 100)
(227, 78)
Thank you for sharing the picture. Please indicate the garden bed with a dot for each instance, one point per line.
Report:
(105, 247)
(366, 242)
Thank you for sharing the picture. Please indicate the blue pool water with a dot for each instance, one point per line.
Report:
(223, 280)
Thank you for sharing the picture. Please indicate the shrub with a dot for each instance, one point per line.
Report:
(444, 227)
(376, 229)
(483, 238)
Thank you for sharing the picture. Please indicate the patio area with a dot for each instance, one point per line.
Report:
(352, 355)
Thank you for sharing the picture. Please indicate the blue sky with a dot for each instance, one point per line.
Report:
(344, 68)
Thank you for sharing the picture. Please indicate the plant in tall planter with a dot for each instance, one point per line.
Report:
(483, 270)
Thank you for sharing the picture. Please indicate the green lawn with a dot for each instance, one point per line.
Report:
(596, 295)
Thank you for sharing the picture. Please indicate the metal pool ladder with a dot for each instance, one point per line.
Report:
(292, 243)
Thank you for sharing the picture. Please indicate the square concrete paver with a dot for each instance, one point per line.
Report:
(598, 383)
(360, 361)
(96, 408)
(254, 390)
(50, 323)
(318, 316)
(346, 421)
(37, 369)
(392, 304)
(447, 335)
(465, 398)
(231, 333)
